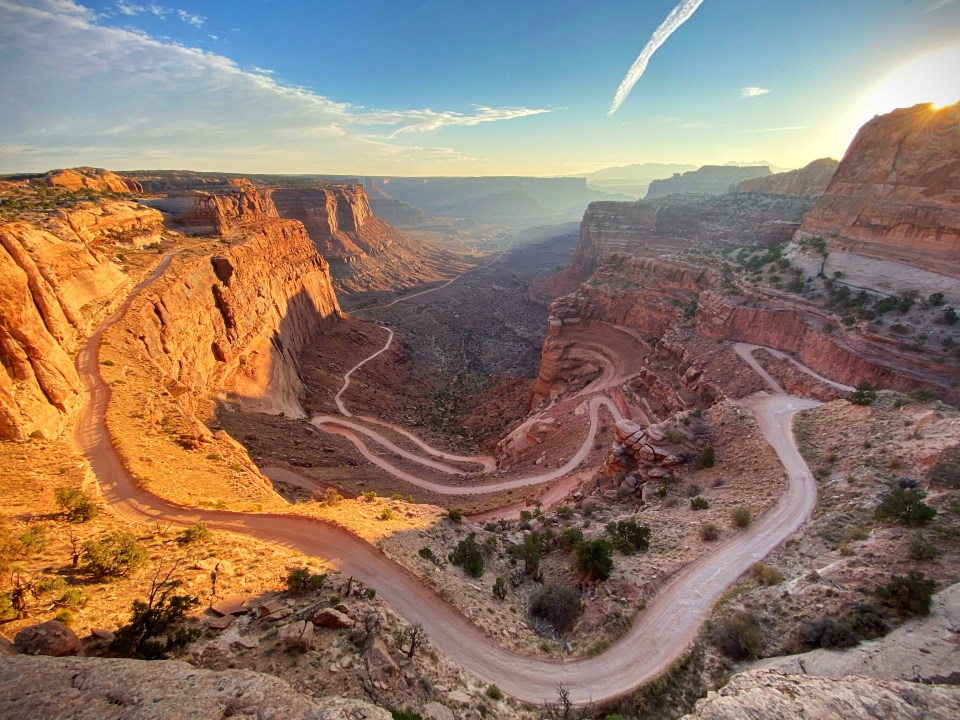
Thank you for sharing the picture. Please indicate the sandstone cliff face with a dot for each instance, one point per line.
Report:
(86, 177)
(217, 213)
(770, 695)
(896, 194)
(709, 179)
(238, 320)
(812, 179)
(55, 286)
(95, 688)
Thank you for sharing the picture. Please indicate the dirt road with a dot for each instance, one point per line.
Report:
(661, 633)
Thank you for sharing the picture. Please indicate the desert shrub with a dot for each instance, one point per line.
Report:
(116, 555)
(385, 514)
(34, 540)
(738, 637)
(709, 532)
(950, 316)
(864, 394)
(570, 538)
(868, 621)
(370, 496)
(427, 554)
(946, 470)
(905, 506)
(740, 517)
(908, 595)
(765, 575)
(923, 395)
(559, 603)
(500, 589)
(72, 597)
(407, 714)
(595, 559)
(629, 537)
(705, 459)
(455, 515)
(826, 632)
(565, 512)
(77, 506)
(694, 490)
(327, 497)
(196, 534)
(530, 551)
(300, 580)
(494, 693)
(699, 503)
(468, 555)
(920, 548)
(156, 626)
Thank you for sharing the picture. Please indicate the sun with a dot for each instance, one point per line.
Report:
(929, 78)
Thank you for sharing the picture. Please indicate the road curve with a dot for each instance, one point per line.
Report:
(661, 634)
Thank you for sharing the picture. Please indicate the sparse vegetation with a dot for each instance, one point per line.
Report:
(595, 559)
(908, 595)
(628, 536)
(905, 506)
(705, 459)
(300, 580)
(709, 532)
(865, 394)
(77, 506)
(559, 603)
(699, 503)
(738, 637)
(826, 632)
(468, 555)
(455, 515)
(920, 548)
(116, 555)
(740, 517)
(196, 534)
(765, 575)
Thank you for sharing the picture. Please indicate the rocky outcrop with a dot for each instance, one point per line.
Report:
(709, 180)
(896, 194)
(812, 179)
(238, 320)
(220, 212)
(96, 688)
(770, 695)
(120, 221)
(48, 638)
(97, 179)
(800, 328)
(52, 290)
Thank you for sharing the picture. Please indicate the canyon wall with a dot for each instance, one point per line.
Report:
(812, 179)
(56, 282)
(238, 320)
(200, 212)
(896, 194)
(90, 178)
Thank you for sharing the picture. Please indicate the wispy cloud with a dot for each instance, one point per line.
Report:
(191, 19)
(752, 91)
(937, 5)
(677, 17)
(132, 9)
(88, 93)
(785, 128)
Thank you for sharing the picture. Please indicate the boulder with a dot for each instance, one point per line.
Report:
(332, 618)
(48, 638)
(380, 661)
(297, 635)
(436, 711)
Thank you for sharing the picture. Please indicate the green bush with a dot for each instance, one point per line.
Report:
(570, 538)
(116, 555)
(699, 503)
(559, 603)
(740, 517)
(455, 515)
(494, 693)
(827, 632)
(427, 554)
(500, 589)
(709, 532)
(595, 559)
(77, 505)
(868, 621)
(908, 595)
(386, 514)
(196, 534)
(905, 506)
(564, 512)
(530, 551)
(468, 555)
(738, 637)
(300, 580)
(629, 537)
(34, 539)
(865, 394)
(705, 459)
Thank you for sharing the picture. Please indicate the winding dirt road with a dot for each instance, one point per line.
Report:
(662, 632)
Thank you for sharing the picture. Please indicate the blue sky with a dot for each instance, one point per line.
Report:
(451, 88)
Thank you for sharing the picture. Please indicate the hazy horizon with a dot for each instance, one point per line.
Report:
(454, 89)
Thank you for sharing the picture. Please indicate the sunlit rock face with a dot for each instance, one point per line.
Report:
(896, 194)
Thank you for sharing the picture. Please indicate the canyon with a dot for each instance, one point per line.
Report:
(204, 311)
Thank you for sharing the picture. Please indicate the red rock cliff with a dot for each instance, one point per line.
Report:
(896, 194)
(238, 320)
(812, 179)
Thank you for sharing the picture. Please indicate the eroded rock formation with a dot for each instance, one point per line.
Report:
(896, 194)
(236, 204)
(97, 179)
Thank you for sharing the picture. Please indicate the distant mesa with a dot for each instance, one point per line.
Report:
(97, 179)
(812, 179)
(710, 180)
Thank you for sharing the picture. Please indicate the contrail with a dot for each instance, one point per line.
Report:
(677, 17)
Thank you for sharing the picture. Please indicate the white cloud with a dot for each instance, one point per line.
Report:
(92, 94)
(190, 18)
(677, 17)
(937, 5)
(752, 91)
